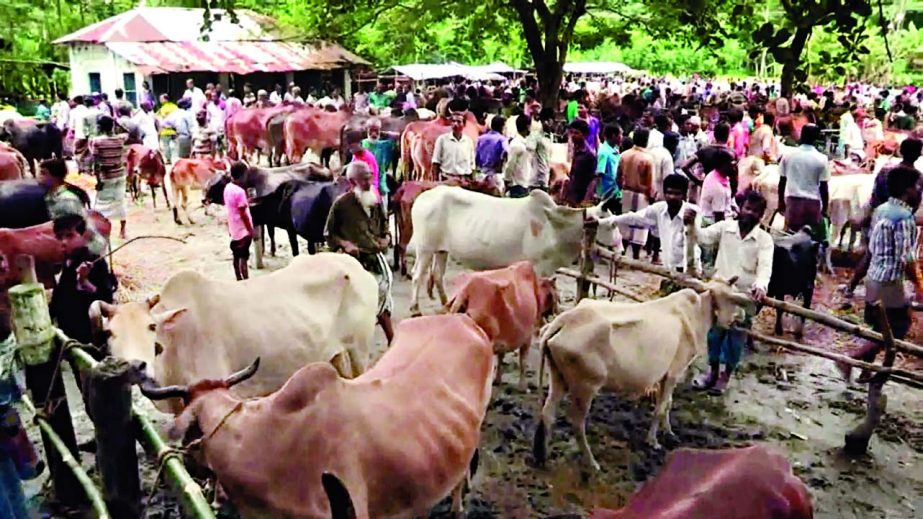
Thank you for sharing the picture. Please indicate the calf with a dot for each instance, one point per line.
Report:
(394, 441)
(507, 304)
(626, 347)
(794, 270)
(189, 173)
(143, 163)
(753, 482)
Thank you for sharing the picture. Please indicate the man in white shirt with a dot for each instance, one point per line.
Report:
(803, 194)
(745, 260)
(517, 170)
(666, 217)
(195, 95)
(453, 155)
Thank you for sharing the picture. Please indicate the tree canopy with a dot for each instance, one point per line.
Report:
(799, 40)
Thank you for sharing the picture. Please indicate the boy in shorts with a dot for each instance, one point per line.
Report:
(240, 223)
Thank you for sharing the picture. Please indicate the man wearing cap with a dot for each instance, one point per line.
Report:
(357, 226)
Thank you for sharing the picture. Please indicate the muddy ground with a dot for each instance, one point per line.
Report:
(795, 403)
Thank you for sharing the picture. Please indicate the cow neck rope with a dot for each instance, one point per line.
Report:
(233, 410)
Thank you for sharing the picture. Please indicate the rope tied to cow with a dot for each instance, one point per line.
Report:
(162, 459)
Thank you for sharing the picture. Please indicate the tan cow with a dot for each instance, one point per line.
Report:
(626, 347)
(394, 441)
(189, 173)
(508, 304)
(319, 308)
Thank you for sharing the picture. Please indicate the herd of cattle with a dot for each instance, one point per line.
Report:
(307, 347)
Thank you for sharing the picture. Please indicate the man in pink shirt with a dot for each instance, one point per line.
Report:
(240, 223)
(740, 133)
(361, 154)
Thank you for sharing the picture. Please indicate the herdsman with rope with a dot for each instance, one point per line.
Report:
(357, 226)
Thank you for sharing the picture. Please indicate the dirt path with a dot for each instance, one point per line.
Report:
(796, 403)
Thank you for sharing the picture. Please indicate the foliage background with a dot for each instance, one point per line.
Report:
(638, 33)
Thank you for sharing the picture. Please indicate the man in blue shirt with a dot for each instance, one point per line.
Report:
(491, 148)
(607, 163)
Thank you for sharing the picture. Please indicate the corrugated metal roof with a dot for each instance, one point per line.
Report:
(146, 24)
(238, 57)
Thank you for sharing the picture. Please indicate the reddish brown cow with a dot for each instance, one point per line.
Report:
(508, 304)
(247, 131)
(747, 483)
(189, 173)
(314, 129)
(13, 165)
(418, 142)
(143, 163)
(39, 242)
(430, 390)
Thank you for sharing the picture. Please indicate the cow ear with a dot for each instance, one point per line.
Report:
(341, 505)
(153, 300)
(167, 320)
(733, 280)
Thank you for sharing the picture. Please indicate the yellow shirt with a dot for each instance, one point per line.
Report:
(165, 110)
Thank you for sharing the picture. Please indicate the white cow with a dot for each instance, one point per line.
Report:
(319, 308)
(631, 348)
(483, 232)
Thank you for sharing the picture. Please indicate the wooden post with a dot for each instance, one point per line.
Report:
(258, 241)
(35, 336)
(857, 440)
(108, 396)
(586, 259)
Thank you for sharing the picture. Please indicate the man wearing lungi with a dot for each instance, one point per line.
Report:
(108, 160)
(357, 226)
(636, 177)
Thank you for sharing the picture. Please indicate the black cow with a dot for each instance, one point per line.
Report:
(22, 203)
(36, 141)
(794, 270)
(298, 206)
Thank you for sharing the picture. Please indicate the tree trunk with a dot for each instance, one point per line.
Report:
(549, 75)
(794, 59)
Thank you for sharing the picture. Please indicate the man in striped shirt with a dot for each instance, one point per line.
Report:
(109, 163)
(893, 249)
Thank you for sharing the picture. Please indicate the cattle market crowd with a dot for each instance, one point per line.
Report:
(749, 189)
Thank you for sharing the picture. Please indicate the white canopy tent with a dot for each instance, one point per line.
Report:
(423, 71)
(597, 67)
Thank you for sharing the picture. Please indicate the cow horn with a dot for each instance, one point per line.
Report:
(242, 375)
(98, 314)
(153, 300)
(150, 389)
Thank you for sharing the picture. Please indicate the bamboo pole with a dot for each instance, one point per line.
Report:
(828, 320)
(601, 282)
(898, 375)
(55, 441)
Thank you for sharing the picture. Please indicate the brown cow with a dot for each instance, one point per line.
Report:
(189, 173)
(39, 242)
(143, 163)
(431, 397)
(247, 132)
(13, 165)
(507, 304)
(314, 129)
(418, 142)
(746, 483)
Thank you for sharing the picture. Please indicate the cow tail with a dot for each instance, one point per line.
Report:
(548, 332)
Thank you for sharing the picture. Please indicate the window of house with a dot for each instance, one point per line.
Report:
(131, 89)
(96, 84)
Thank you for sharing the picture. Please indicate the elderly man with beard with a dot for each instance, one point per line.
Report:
(357, 226)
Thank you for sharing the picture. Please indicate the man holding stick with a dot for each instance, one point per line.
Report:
(745, 260)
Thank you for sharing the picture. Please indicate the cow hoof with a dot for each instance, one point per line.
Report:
(654, 444)
(671, 439)
(177, 222)
(415, 312)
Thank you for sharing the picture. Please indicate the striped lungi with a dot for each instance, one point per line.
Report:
(377, 265)
(633, 201)
(110, 198)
